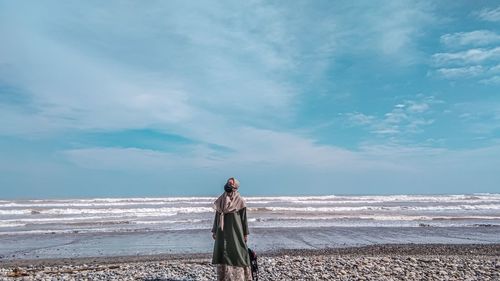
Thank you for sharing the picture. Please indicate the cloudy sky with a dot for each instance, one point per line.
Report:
(164, 98)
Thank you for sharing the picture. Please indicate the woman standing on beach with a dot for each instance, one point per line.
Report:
(230, 232)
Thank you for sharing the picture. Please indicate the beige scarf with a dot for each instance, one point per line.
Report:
(228, 202)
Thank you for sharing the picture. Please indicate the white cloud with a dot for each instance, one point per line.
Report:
(75, 90)
(390, 124)
(76, 83)
(472, 38)
(495, 69)
(494, 80)
(405, 118)
(78, 87)
(478, 63)
(314, 164)
(249, 147)
(460, 72)
(416, 125)
(393, 29)
(472, 63)
(400, 151)
(489, 14)
(360, 118)
(466, 115)
(440, 161)
(479, 117)
(472, 56)
(396, 116)
(216, 74)
(111, 158)
(417, 107)
(384, 130)
(204, 89)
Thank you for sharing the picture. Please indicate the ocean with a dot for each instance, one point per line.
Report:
(122, 226)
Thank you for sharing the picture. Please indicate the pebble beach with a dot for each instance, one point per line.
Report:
(377, 262)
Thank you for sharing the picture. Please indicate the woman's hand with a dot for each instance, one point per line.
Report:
(214, 235)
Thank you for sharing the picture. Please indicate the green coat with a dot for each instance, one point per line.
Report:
(230, 247)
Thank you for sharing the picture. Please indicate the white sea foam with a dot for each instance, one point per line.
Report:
(14, 212)
(132, 199)
(291, 198)
(92, 230)
(421, 218)
(138, 211)
(371, 199)
(169, 222)
(101, 204)
(65, 219)
(128, 214)
(385, 198)
(344, 199)
(376, 208)
(11, 224)
(374, 217)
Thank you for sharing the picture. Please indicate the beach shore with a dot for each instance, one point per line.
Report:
(376, 262)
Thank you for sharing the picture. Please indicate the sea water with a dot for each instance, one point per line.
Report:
(55, 227)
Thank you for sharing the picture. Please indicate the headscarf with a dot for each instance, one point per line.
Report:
(229, 202)
(229, 188)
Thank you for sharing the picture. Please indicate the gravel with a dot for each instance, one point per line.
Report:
(381, 262)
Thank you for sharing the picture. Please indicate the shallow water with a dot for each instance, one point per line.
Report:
(262, 239)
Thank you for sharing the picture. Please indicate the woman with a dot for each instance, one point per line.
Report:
(230, 232)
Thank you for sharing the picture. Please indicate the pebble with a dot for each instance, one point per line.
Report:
(324, 267)
(298, 266)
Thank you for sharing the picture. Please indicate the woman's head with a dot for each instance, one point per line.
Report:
(231, 185)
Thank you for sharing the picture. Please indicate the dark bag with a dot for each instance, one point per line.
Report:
(253, 264)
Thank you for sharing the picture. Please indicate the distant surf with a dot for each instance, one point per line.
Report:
(18, 217)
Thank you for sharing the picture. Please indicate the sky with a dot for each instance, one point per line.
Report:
(171, 98)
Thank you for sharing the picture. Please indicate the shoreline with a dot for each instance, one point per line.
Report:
(411, 249)
(374, 262)
(263, 240)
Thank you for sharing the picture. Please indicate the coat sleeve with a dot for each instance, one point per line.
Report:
(244, 221)
(216, 223)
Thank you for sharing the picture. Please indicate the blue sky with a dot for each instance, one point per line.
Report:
(167, 98)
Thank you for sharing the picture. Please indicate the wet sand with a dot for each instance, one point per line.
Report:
(375, 262)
